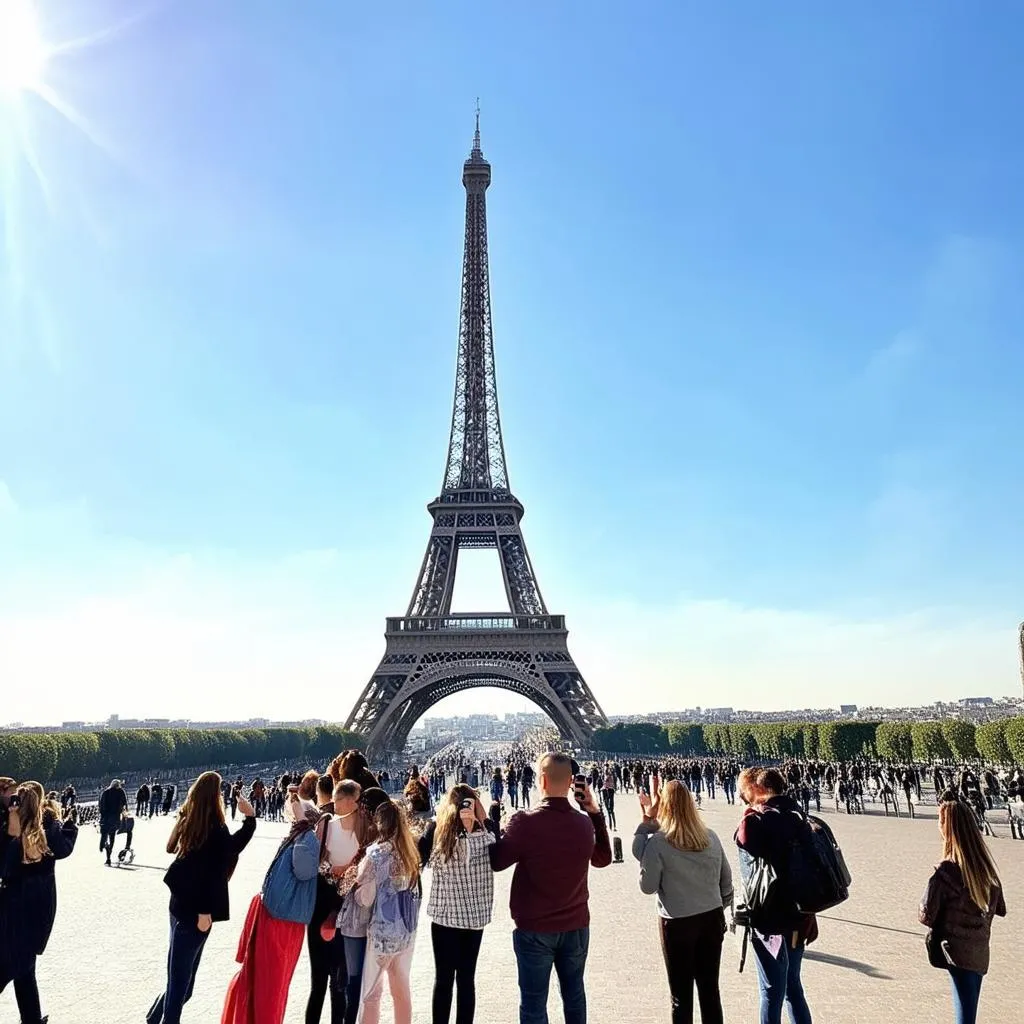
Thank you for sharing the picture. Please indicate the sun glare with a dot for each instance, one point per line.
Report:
(22, 50)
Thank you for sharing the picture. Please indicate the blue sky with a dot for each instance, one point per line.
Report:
(756, 284)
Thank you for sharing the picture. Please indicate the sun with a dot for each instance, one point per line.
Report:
(23, 53)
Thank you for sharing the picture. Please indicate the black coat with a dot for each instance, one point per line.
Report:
(947, 908)
(199, 880)
(28, 899)
(112, 803)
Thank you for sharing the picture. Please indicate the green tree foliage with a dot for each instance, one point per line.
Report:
(960, 735)
(1014, 734)
(631, 738)
(54, 758)
(991, 742)
(686, 739)
(894, 740)
(929, 742)
(743, 742)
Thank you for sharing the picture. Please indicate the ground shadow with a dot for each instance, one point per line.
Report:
(842, 961)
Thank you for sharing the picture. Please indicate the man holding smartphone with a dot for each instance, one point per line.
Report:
(553, 847)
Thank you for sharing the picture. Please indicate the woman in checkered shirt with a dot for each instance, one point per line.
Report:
(461, 897)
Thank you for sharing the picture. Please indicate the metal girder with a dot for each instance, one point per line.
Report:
(431, 654)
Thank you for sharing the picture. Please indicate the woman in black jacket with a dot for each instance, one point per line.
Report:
(962, 897)
(769, 824)
(206, 853)
(28, 892)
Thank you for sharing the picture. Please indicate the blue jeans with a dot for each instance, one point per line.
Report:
(966, 993)
(779, 982)
(355, 953)
(536, 953)
(183, 958)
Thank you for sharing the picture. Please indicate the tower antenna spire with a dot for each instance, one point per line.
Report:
(476, 134)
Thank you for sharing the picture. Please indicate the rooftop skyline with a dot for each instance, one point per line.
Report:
(756, 327)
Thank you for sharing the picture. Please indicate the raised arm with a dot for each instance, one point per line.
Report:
(650, 869)
(602, 855)
(644, 831)
(509, 849)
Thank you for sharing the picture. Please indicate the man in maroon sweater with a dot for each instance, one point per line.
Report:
(552, 847)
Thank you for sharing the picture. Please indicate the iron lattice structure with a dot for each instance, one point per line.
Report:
(431, 653)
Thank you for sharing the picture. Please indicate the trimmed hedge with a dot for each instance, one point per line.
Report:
(998, 742)
(58, 756)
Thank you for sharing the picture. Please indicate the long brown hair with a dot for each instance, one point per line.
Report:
(201, 814)
(963, 845)
(393, 827)
(34, 846)
(446, 831)
(678, 818)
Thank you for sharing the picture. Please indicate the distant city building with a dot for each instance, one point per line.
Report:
(847, 709)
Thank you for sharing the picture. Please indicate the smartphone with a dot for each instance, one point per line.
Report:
(579, 785)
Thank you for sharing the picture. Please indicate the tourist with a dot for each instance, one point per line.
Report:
(110, 809)
(142, 800)
(461, 900)
(608, 796)
(351, 764)
(353, 918)
(170, 791)
(497, 786)
(962, 897)
(549, 898)
(526, 784)
(325, 794)
(156, 798)
(205, 854)
(769, 824)
(37, 839)
(279, 914)
(512, 781)
(416, 797)
(342, 841)
(682, 861)
(388, 883)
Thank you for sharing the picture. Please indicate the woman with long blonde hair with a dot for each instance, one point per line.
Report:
(461, 899)
(682, 861)
(388, 882)
(962, 897)
(36, 839)
(205, 854)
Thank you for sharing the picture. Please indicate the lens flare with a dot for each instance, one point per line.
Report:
(23, 52)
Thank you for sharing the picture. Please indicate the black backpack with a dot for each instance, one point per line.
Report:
(815, 874)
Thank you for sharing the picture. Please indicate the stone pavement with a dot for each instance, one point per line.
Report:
(106, 960)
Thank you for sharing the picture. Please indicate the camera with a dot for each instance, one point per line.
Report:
(741, 915)
(15, 801)
(467, 804)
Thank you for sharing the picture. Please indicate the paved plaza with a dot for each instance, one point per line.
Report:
(106, 961)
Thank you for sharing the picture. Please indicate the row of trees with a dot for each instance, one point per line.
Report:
(53, 758)
(1000, 742)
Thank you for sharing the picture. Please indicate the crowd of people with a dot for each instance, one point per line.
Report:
(347, 881)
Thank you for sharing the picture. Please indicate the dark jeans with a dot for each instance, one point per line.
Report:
(692, 948)
(183, 958)
(966, 993)
(455, 955)
(608, 798)
(355, 953)
(26, 995)
(779, 981)
(327, 972)
(536, 953)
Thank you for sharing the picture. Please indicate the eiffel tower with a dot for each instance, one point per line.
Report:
(430, 652)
